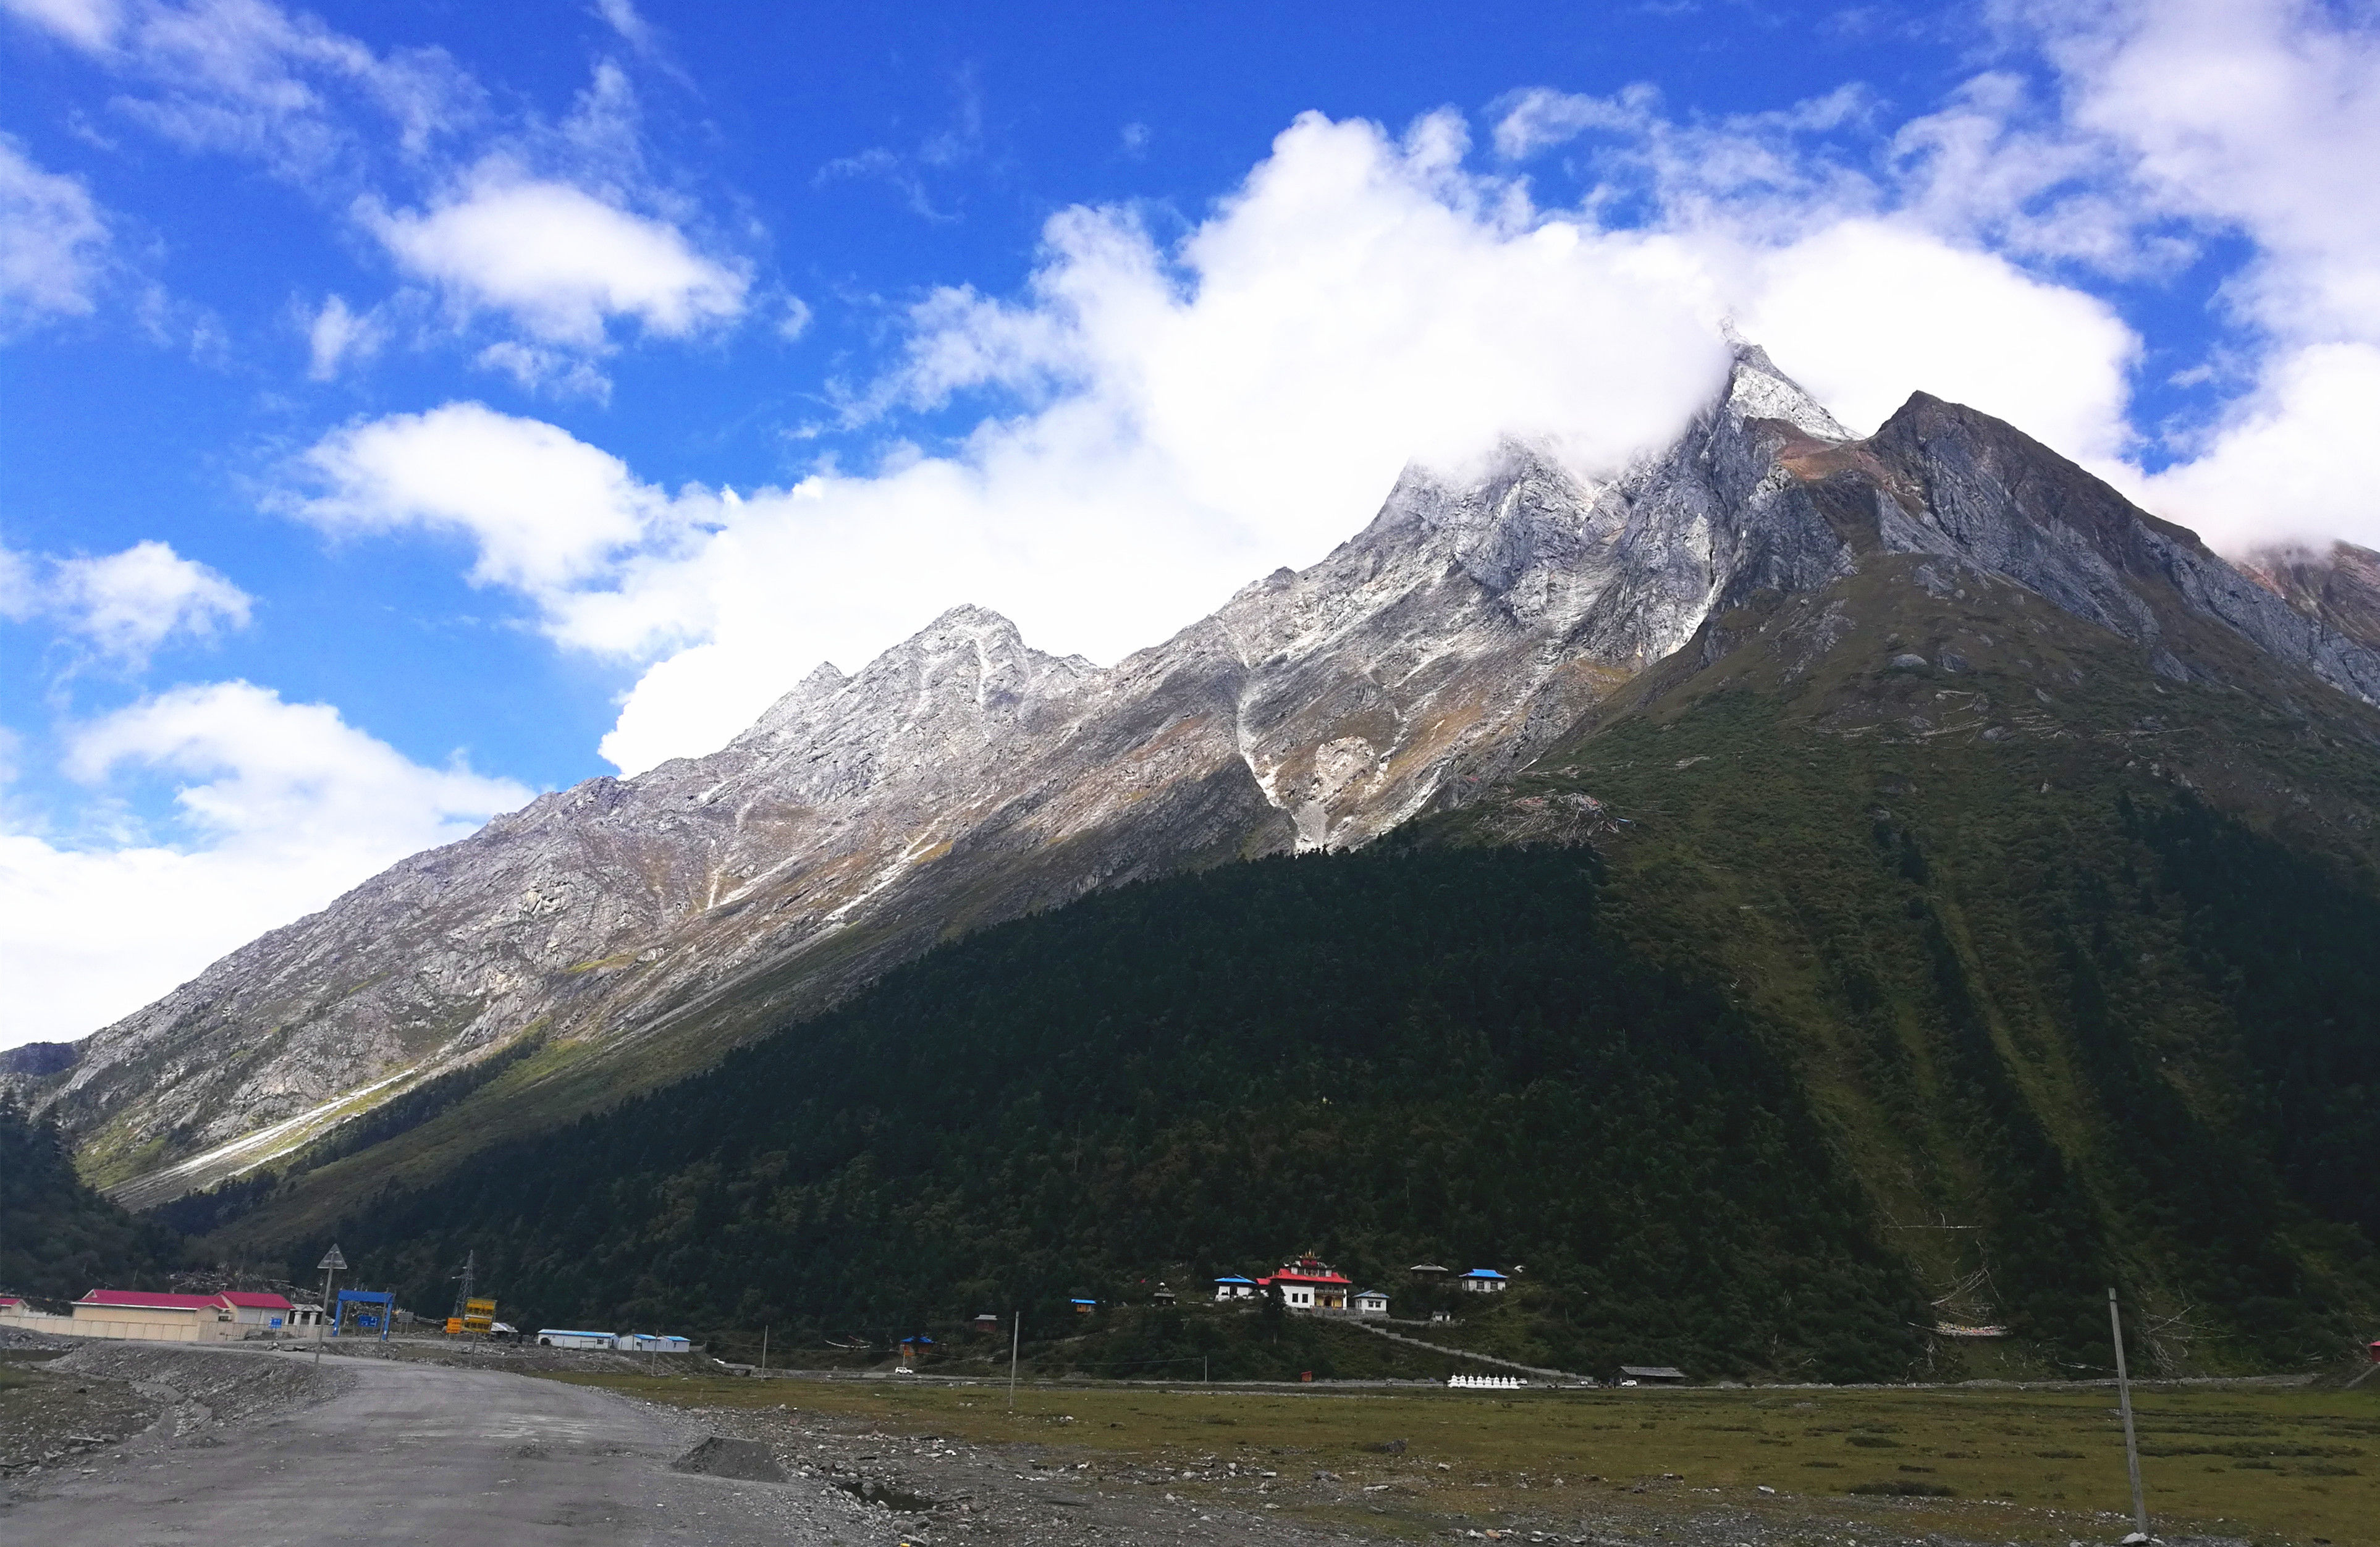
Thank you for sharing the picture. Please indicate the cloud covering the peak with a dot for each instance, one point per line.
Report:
(1157, 422)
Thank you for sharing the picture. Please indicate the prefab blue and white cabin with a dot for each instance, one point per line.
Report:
(650, 1343)
(559, 1338)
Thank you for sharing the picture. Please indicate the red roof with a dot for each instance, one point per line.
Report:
(150, 1301)
(1287, 1278)
(252, 1301)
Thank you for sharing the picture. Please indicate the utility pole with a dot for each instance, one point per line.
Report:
(1015, 1346)
(331, 1264)
(2124, 1401)
(764, 1350)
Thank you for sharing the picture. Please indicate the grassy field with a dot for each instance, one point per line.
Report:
(2264, 1464)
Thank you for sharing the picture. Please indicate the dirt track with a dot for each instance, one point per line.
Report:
(378, 1451)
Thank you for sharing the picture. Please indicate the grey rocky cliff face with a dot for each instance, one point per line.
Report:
(964, 778)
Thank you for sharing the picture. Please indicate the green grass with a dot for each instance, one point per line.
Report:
(2269, 1466)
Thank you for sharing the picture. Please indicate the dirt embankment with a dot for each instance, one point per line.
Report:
(77, 1410)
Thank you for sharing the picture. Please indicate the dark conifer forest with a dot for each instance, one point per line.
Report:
(1385, 1058)
(57, 1236)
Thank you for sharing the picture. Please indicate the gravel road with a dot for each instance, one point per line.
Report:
(386, 1452)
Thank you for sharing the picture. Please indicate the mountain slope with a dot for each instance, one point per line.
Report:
(641, 928)
(1953, 957)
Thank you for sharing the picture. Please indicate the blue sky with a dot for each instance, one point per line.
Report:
(410, 408)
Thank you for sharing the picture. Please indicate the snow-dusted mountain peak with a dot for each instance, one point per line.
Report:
(1757, 390)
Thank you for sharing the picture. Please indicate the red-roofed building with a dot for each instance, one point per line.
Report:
(154, 1316)
(1309, 1284)
(255, 1309)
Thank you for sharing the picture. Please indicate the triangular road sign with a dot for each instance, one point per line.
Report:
(331, 1261)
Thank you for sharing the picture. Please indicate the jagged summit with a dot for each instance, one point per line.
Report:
(970, 667)
(963, 777)
(1757, 390)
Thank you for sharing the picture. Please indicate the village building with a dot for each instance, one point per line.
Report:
(651, 1342)
(1428, 1273)
(254, 1309)
(1233, 1286)
(1371, 1302)
(562, 1337)
(1630, 1374)
(987, 1325)
(147, 1316)
(1163, 1296)
(1085, 1307)
(1485, 1281)
(1309, 1284)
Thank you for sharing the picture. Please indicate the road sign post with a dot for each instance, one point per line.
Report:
(331, 1264)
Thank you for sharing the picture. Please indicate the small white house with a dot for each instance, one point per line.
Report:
(558, 1338)
(1485, 1281)
(1371, 1302)
(1233, 1286)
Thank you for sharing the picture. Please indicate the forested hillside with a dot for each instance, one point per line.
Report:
(57, 1236)
(2074, 957)
(1386, 1058)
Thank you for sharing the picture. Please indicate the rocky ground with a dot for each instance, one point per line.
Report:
(77, 1401)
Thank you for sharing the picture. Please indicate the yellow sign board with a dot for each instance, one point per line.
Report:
(478, 1315)
(454, 1325)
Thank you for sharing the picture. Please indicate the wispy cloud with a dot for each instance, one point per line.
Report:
(52, 243)
(958, 143)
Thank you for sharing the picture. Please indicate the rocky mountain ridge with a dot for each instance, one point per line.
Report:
(2340, 587)
(641, 926)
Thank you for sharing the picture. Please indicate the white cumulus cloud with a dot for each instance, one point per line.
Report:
(542, 509)
(1865, 313)
(2294, 464)
(1163, 423)
(562, 262)
(127, 604)
(123, 606)
(337, 334)
(282, 807)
